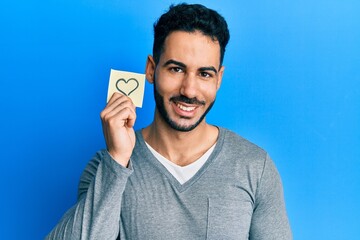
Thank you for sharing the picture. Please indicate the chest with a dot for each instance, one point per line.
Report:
(209, 206)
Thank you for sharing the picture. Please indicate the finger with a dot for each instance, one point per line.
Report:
(131, 120)
(116, 102)
(115, 96)
(124, 117)
(117, 108)
(115, 99)
(110, 105)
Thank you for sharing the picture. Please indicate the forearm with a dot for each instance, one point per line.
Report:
(97, 212)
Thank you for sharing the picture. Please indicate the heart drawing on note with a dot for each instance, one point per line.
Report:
(127, 87)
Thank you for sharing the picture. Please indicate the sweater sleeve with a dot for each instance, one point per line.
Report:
(96, 214)
(269, 219)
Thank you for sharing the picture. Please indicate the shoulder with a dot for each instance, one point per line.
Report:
(93, 164)
(241, 155)
(236, 144)
(90, 171)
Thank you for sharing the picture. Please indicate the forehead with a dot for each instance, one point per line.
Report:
(191, 48)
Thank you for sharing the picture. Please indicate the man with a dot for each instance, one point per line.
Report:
(180, 177)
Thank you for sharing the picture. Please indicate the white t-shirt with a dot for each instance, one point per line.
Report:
(182, 174)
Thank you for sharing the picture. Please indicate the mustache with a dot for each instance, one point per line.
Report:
(187, 100)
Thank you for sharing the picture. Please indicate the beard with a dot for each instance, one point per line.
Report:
(160, 105)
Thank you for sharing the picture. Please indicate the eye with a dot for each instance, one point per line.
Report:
(176, 69)
(206, 75)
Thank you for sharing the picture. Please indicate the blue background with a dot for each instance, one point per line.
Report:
(291, 85)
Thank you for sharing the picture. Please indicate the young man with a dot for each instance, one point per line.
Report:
(180, 177)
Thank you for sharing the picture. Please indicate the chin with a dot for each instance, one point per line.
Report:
(180, 127)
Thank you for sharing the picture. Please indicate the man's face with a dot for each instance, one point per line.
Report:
(186, 79)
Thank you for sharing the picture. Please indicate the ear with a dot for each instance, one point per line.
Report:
(220, 75)
(150, 69)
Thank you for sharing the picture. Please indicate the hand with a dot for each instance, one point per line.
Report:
(118, 119)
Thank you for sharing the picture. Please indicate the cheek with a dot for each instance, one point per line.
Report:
(167, 86)
(209, 91)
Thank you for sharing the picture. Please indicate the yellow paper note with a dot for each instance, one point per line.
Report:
(127, 83)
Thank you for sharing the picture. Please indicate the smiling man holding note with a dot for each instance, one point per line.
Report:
(180, 177)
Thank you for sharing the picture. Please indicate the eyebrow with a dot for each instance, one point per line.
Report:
(180, 64)
(202, 69)
(171, 61)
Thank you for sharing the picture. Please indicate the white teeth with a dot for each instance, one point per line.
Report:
(187, 109)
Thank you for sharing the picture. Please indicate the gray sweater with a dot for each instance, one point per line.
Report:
(237, 194)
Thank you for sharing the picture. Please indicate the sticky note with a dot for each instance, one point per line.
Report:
(127, 83)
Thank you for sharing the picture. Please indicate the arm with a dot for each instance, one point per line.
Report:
(269, 219)
(96, 214)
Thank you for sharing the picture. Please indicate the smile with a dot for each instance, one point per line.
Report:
(185, 108)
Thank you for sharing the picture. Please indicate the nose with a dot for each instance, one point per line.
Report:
(189, 85)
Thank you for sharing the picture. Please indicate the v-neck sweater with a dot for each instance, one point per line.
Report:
(182, 173)
(236, 194)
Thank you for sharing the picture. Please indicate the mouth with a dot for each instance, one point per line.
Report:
(185, 108)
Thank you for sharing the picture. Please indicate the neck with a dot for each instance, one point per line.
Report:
(182, 148)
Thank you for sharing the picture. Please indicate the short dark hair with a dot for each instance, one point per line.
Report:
(190, 18)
